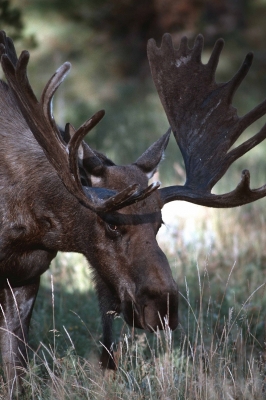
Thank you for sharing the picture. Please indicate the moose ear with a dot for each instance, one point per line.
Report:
(148, 162)
(90, 161)
(94, 163)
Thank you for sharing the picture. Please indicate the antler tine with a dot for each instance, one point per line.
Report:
(39, 118)
(76, 140)
(197, 49)
(32, 110)
(204, 123)
(17, 73)
(7, 46)
(234, 83)
(167, 45)
(215, 56)
(246, 146)
(121, 201)
(241, 195)
(252, 116)
(48, 94)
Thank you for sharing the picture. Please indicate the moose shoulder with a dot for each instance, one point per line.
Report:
(60, 195)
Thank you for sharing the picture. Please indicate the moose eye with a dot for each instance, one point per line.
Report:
(113, 229)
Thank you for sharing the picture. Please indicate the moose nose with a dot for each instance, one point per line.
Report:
(150, 311)
(152, 302)
(161, 311)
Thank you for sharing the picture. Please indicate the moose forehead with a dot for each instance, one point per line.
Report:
(119, 177)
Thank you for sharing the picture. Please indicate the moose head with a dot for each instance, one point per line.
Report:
(60, 195)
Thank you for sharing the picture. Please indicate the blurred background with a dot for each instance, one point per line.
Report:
(105, 41)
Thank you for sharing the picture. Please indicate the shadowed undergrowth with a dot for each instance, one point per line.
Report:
(214, 354)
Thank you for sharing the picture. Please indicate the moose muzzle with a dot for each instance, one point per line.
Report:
(151, 311)
(154, 303)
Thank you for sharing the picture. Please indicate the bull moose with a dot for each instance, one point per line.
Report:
(57, 194)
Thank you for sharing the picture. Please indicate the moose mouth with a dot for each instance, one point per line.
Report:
(147, 317)
(135, 316)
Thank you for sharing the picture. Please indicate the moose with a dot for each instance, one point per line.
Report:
(58, 194)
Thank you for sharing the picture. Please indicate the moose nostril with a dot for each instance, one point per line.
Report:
(152, 318)
(161, 312)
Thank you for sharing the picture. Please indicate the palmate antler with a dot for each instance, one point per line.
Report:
(63, 156)
(203, 120)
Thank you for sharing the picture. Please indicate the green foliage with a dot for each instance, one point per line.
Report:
(11, 19)
(125, 26)
(69, 295)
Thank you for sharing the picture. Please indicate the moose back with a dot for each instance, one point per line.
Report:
(57, 194)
